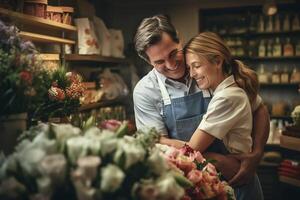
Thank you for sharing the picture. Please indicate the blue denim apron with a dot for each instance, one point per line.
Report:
(183, 115)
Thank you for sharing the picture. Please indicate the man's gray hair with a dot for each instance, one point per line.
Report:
(150, 33)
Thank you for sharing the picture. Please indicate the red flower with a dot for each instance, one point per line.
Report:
(56, 93)
(26, 77)
(75, 91)
(111, 124)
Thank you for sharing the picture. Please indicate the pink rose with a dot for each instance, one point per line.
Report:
(111, 124)
(195, 176)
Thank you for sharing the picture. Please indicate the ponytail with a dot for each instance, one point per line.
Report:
(245, 79)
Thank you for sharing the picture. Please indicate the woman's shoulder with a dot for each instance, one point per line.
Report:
(232, 94)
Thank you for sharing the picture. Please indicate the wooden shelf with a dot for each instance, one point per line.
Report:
(101, 104)
(94, 58)
(289, 180)
(36, 21)
(294, 85)
(276, 58)
(288, 118)
(44, 38)
(49, 56)
(289, 142)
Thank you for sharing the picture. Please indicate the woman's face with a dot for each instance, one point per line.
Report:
(207, 74)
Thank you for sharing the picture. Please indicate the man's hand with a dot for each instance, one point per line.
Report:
(249, 163)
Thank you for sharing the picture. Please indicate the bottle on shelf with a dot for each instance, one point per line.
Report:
(284, 76)
(277, 50)
(295, 23)
(278, 132)
(262, 75)
(297, 49)
(270, 48)
(269, 25)
(262, 49)
(295, 76)
(277, 23)
(288, 49)
(261, 24)
(286, 23)
(276, 75)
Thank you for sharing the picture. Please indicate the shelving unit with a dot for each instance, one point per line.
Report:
(289, 180)
(101, 104)
(44, 38)
(94, 58)
(289, 142)
(36, 21)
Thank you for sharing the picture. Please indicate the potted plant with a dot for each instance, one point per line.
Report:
(21, 84)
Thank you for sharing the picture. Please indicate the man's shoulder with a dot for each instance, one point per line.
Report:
(148, 82)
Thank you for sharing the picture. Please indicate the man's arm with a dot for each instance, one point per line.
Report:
(260, 134)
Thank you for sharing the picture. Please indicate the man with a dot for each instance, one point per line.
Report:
(169, 100)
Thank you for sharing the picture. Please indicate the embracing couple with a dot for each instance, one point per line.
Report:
(199, 95)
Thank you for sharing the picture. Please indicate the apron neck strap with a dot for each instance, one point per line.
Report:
(164, 92)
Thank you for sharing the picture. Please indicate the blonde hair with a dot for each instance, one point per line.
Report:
(210, 46)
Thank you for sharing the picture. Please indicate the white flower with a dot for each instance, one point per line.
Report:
(63, 132)
(169, 189)
(111, 178)
(54, 167)
(41, 141)
(132, 153)
(77, 147)
(83, 192)
(93, 146)
(89, 165)
(157, 162)
(108, 142)
(29, 159)
(44, 185)
(92, 132)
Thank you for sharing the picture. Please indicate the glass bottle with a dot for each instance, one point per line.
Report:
(276, 75)
(277, 23)
(269, 26)
(295, 23)
(297, 48)
(295, 76)
(284, 77)
(288, 49)
(269, 49)
(262, 49)
(262, 75)
(277, 51)
(286, 23)
(261, 24)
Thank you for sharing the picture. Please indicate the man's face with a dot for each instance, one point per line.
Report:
(167, 57)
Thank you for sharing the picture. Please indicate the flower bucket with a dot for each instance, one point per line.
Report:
(11, 127)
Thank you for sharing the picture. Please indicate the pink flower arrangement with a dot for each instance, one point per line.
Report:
(202, 174)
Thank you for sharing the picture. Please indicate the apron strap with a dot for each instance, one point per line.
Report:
(164, 92)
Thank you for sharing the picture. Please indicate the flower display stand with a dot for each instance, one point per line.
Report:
(11, 127)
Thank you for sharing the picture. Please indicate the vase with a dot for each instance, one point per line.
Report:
(11, 127)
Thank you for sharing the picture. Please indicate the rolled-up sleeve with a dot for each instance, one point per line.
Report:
(146, 111)
(221, 116)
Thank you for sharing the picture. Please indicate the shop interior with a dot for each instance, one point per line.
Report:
(94, 39)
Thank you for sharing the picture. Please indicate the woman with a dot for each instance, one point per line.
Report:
(228, 120)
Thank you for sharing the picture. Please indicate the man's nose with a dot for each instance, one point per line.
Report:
(171, 64)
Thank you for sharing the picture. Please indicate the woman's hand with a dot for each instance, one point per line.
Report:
(171, 142)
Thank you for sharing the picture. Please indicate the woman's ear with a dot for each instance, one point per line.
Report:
(219, 62)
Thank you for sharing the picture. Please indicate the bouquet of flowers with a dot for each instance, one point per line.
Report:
(64, 91)
(21, 78)
(59, 161)
(199, 171)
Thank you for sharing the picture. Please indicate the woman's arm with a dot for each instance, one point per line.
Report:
(250, 161)
(199, 141)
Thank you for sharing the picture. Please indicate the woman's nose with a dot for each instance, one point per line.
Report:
(192, 74)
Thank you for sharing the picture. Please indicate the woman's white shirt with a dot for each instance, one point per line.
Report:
(229, 117)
